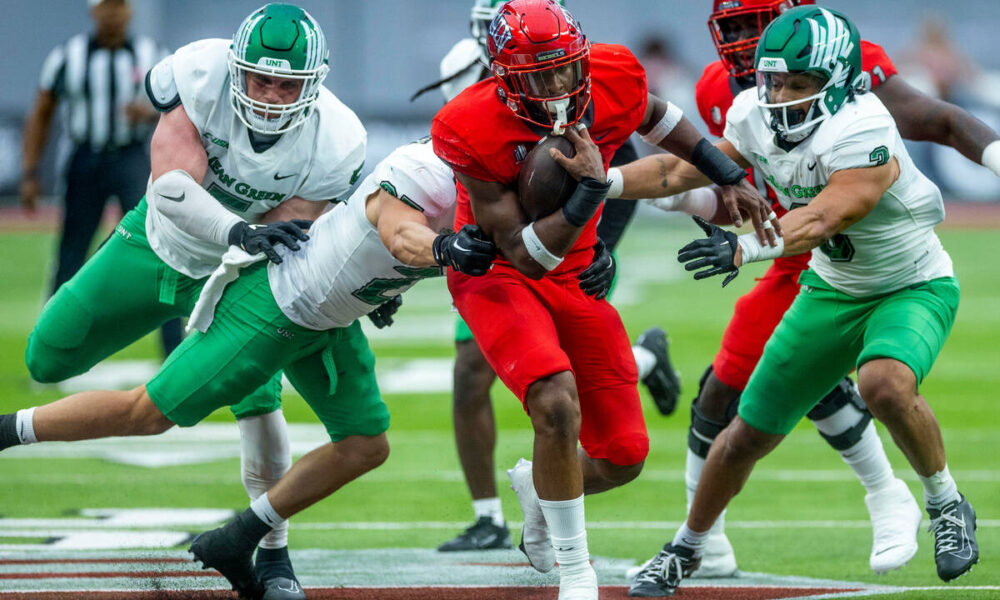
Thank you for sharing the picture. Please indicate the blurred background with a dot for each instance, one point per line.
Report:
(382, 51)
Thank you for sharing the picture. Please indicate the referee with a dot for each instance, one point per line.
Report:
(99, 80)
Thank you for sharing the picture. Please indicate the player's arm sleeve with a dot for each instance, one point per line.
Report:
(178, 197)
(53, 70)
(161, 86)
(867, 142)
(876, 63)
(452, 148)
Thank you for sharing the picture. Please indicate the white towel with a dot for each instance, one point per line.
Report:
(232, 261)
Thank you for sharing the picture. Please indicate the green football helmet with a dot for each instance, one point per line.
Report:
(818, 42)
(281, 41)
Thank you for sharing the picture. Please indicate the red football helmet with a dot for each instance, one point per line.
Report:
(736, 26)
(540, 59)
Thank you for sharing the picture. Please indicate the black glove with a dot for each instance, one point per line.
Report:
(382, 315)
(716, 251)
(263, 238)
(596, 279)
(469, 251)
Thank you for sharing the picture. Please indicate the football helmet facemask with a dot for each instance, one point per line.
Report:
(280, 41)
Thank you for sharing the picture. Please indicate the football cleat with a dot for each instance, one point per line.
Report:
(273, 568)
(661, 575)
(219, 549)
(481, 535)
(535, 541)
(578, 584)
(895, 521)
(955, 547)
(662, 382)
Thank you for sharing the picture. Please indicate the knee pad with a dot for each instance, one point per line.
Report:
(846, 400)
(628, 449)
(265, 451)
(703, 431)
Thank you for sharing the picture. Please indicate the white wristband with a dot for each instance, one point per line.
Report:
(754, 251)
(664, 126)
(617, 181)
(699, 201)
(537, 250)
(991, 157)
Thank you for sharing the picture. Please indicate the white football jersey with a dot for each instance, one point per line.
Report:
(890, 248)
(345, 271)
(466, 61)
(318, 160)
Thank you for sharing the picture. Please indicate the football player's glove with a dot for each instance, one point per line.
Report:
(596, 279)
(715, 252)
(469, 251)
(264, 238)
(381, 317)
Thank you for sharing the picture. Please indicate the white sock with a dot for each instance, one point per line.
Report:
(939, 488)
(24, 425)
(568, 530)
(265, 456)
(489, 507)
(692, 473)
(689, 538)
(263, 509)
(644, 361)
(867, 457)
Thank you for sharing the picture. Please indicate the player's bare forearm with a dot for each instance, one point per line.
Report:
(404, 230)
(176, 144)
(497, 210)
(36, 130)
(927, 119)
(848, 197)
(295, 208)
(659, 176)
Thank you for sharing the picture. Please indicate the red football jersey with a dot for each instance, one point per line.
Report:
(480, 137)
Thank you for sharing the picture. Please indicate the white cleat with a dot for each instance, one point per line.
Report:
(579, 584)
(535, 542)
(895, 519)
(717, 559)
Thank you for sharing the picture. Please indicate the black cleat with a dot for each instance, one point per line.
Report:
(482, 535)
(220, 549)
(662, 382)
(273, 568)
(955, 547)
(662, 575)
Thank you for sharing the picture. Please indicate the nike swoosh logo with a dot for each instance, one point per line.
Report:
(486, 541)
(279, 178)
(811, 167)
(598, 138)
(293, 588)
(174, 198)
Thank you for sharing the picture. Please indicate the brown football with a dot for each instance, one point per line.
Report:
(543, 185)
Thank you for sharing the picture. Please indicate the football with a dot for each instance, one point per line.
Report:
(543, 185)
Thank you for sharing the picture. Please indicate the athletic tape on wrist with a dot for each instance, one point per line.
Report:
(616, 182)
(754, 251)
(714, 163)
(991, 157)
(586, 199)
(537, 250)
(664, 126)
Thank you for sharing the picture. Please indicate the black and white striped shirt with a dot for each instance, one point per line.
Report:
(94, 84)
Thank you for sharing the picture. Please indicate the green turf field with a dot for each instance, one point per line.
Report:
(802, 513)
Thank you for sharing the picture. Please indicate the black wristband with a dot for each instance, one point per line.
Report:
(714, 163)
(587, 197)
(437, 249)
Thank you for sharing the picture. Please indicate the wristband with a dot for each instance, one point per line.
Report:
(754, 251)
(586, 198)
(714, 163)
(991, 157)
(537, 250)
(616, 182)
(664, 126)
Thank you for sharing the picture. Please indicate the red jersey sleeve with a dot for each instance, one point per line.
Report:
(876, 63)
(451, 134)
(714, 97)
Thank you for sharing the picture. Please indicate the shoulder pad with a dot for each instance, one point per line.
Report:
(161, 87)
